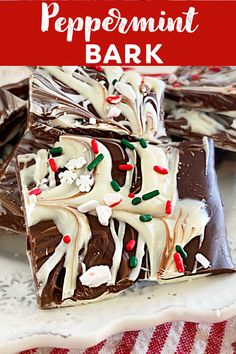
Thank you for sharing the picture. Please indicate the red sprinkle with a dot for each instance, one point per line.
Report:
(161, 170)
(130, 245)
(115, 204)
(126, 167)
(176, 84)
(96, 67)
(113, 99)
(215, 69)
(131, 195)
(67, 239)
(179, 262)
(35, 191)
(94, 145)
(53, 165)
(195, 77)
(168, 207)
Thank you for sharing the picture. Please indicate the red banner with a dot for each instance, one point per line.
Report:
(113, 32)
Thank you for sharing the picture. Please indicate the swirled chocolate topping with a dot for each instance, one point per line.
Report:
(103, 214)
(105, 102)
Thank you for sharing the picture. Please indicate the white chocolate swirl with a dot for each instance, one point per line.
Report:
(65, 99)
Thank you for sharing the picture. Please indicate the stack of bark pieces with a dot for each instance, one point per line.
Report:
(108, 201)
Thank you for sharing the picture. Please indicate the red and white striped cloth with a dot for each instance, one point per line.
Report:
(169, 338)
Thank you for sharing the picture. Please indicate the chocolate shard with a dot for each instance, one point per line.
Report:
(211, 89)
(12, 123)
(15, 79)
(88, 237)
(200, 101)
(11, 214)
(193, 124)
(108, 102)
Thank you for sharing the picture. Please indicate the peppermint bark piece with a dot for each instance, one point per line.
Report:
(101, 102)
(211, 89)
(103, 214)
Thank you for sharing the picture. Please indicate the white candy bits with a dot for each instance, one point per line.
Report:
(104, 213)
(75, 163)
(84, 183)
(88, 206)
(202, 260)
(96, 276)
(67, 177)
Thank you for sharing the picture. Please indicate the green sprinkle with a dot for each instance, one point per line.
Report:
(95, 162)
(143, 143)
(114, 82)
(145, 217)
(127, 144)
(150, 194)
(136, 200)
(181, 251)
(115, 186)
(133, 262)
(56, 151)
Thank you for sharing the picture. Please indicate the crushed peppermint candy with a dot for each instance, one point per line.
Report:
(92, 121)
(85, 183)
(126, 90)
(104, 213)
(112, 199)
(75, 163)
(67, 177)
(88, 206)
(202, 260)
(113, 112)
(35, 191)
(96, 276)
(114, 99)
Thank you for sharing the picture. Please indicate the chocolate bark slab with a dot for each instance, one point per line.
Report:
(11, 214)
(103, 214)
(211, 89)
(192, 124)
(101, 102)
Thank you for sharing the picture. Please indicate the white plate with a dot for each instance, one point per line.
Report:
(23, 325)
